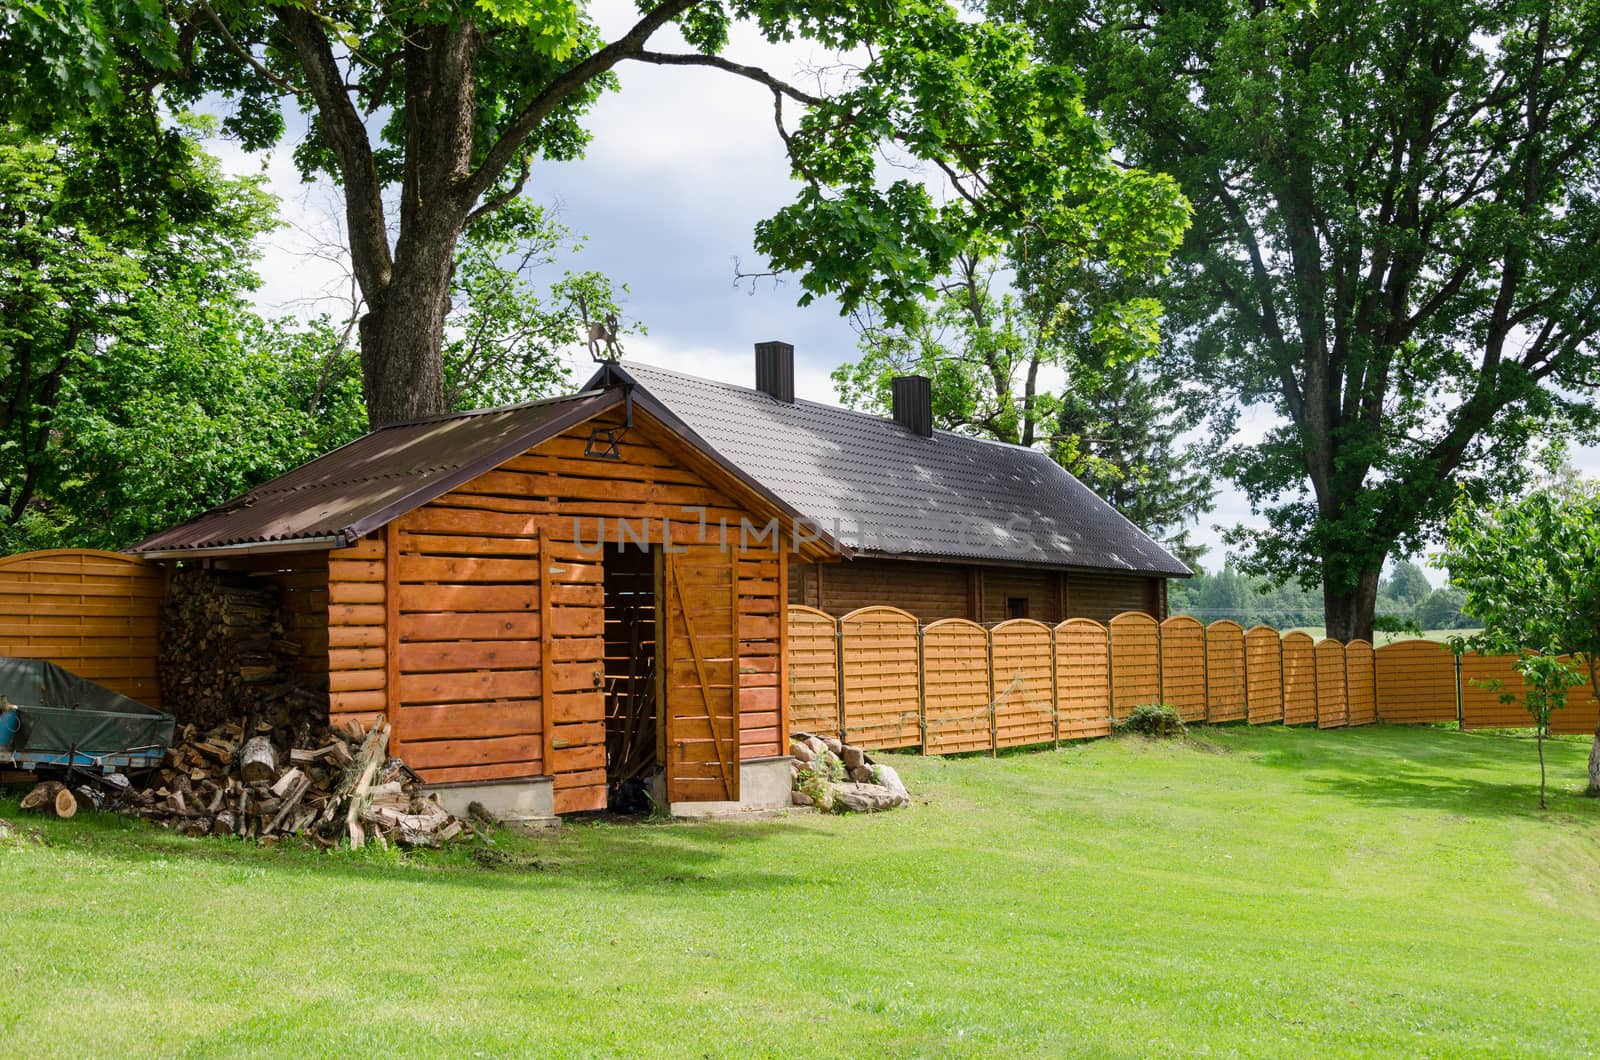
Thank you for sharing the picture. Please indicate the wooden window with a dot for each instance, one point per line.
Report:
(1016, 607)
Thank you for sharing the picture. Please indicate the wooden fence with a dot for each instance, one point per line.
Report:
(878, 678)
(94, 613)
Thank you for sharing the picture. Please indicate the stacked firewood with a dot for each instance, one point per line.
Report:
(225, 656)
(340, 784)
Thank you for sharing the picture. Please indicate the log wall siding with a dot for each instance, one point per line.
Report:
(94, 613)
(357, 632)
(1041, 590)
(487, 646)
(935, 591)
(303, 600)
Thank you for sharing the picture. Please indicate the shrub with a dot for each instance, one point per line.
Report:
(1153, 719)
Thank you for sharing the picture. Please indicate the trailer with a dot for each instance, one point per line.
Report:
(52, 721)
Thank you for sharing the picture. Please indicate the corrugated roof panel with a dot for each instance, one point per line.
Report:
(378, 476)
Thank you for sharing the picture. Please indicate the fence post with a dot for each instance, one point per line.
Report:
(1055, 693)
(838, 663)
(994, 733)
(1461, 717)
(922, 687)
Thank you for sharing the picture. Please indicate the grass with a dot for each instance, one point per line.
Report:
(1265, 892)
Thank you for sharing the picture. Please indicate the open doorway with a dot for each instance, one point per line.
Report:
(632, 707)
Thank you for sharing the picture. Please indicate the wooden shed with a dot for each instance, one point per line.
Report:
(508, 585)
(552, 599)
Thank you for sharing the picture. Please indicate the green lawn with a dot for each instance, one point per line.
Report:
(1263, 892)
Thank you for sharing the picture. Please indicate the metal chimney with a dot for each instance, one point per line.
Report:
(775, 370)
(913, 404)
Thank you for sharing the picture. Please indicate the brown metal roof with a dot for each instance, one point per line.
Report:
(361, 486)
(380, 476)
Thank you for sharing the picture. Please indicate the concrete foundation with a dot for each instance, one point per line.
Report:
(764, 786)
(528, 802)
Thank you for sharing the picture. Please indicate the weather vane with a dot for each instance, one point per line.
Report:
(601, 335)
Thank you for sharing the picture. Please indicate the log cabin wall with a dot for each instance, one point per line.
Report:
(1038, 590)
(935, 591)
(477, 620)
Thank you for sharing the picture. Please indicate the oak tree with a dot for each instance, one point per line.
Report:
(430, 116)
(1393, 247)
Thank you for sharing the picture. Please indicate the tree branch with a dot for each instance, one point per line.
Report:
(563, 85)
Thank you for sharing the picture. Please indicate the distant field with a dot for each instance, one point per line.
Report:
(1260, 892)
(1380, 639)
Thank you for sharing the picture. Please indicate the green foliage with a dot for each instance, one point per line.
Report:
(983, 343)
(447, 106)
(1393, 247)
(138, 388)
(1156, 720)
(505, 337)
(1406, 586)
(1530, 569)
(1251, 599)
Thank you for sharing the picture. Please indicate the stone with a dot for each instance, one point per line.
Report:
(865, 798)
(886, 776)
(816, 744)
(800, 798)
(831, 744)
(861, 774)
(802, 751)
(852, 756)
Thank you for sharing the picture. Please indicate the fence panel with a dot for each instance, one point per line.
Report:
(1263, 663)
(1024, 683)
(1225, 689)
(1135, 662)
(1299, 679)
(94, 613)
(1333, 710)
(1416, 682)
(1183, 667)
(1083, 678)
(1581, 715)
(1481, 707)
(880, 665)
(813, 671)
(1360, 689)
(956, 692)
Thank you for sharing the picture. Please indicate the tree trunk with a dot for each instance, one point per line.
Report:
(1348, 614)
(402, 364)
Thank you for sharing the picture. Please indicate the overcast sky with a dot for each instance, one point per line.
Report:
(683, 164)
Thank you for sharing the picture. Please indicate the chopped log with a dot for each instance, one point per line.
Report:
(51, 798)
(257, 760)
(289, 779)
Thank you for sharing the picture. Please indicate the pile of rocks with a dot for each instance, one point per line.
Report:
(837, 777)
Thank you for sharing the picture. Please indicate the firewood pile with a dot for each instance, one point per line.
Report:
(340, 785)
(225, 656)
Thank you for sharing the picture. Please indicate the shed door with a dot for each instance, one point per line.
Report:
(701, 674)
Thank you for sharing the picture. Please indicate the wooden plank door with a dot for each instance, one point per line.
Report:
(699, 663)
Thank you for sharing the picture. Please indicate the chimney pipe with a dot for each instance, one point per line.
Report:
(913, 403)
(775, 370)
